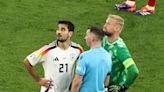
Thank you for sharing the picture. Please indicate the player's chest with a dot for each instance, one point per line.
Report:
(61, 56)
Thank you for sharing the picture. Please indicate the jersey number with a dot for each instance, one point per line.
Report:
(63, 67)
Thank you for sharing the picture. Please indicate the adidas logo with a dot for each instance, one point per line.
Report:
(56, 59)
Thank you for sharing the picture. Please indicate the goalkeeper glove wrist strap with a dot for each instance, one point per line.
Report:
(123, 88)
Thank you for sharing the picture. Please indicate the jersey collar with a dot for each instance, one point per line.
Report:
(113, 41)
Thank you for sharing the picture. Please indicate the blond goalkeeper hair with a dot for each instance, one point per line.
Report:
(119, 21)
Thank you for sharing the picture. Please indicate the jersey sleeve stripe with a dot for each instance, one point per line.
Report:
(128, 62)
(80, 49)
(44, 52)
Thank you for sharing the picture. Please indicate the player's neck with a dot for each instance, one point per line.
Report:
(95, 45)
(64, 45)
(113, 38)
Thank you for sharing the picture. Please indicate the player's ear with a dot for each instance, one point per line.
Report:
(117, 28)
(70, 33)
(94, 37)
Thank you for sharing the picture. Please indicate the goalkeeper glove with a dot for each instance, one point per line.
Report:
(115, 88)
(123, 88)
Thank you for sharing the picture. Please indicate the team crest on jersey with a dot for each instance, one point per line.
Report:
(78, 68)
(72, 55)
(121, 44)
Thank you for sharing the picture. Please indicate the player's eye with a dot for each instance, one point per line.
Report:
(62, 29)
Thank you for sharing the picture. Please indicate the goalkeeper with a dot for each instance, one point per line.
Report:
(124, 70)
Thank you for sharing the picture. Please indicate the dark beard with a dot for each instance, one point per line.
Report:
(108, 34)
(61, 41)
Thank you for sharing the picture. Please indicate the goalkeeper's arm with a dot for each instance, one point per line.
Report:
(132, 72)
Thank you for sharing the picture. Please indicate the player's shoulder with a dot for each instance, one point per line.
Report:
(77, 46)
(120, 43)
(107, 53)
(84, 55)
(122, 50)
(88, 53)
(73, 44)
(51, 45)
(104, 53)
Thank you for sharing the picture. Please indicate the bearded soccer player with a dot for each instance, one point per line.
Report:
(124, 70)
(58, 59)
(130, 5)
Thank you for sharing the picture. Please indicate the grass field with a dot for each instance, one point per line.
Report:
(26, 25)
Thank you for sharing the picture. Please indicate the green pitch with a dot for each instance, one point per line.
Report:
(26, 25)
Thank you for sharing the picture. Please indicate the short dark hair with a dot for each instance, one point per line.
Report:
(97, 31)
(68, 23)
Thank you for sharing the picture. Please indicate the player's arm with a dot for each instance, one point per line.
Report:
(31, 70)
(130, 66)
(80, 71)
(76, 83)
(132, 71)
(34, 74)
(81, 50)
(31, 60)
(107, 79)
(106, 82)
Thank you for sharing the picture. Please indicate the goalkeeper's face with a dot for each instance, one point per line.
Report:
(109, 27)
(62, 33)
